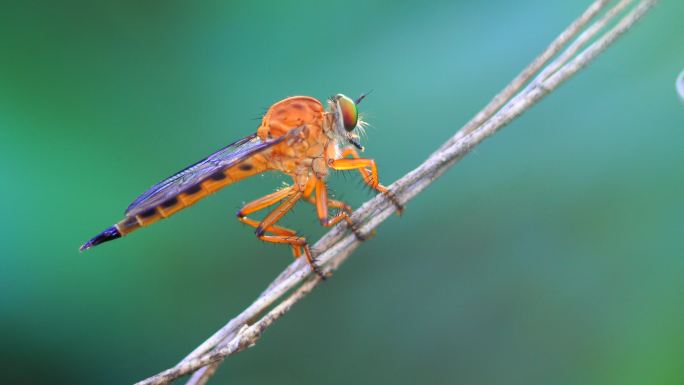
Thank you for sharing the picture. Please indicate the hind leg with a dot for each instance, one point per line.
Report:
(262, 203)
(289, 197)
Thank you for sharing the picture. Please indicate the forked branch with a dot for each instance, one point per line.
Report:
(571, 50)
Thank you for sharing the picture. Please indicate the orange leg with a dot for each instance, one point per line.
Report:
(277, 230)
(322, 203)
(289, 196)
(370, 177)
(309, 188)
(262, 203)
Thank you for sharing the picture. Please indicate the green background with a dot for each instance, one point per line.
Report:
(552, 254)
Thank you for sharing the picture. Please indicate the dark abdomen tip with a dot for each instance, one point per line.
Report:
(105, 236)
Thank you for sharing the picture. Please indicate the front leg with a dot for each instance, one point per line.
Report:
(368, 170)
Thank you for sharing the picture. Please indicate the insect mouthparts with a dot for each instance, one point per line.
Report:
(356, 144)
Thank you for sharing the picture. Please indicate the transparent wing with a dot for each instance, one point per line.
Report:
(191, 176)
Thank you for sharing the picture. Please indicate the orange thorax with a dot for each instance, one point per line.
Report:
(309, 153)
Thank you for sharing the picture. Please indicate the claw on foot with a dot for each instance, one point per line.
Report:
(316, 269)
(355, 229)
(311, 260)
(392, 198)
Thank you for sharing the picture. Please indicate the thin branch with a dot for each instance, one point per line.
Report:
(246, 337)
(583, 38)
(203, 374)
(523, 77)
(245, 329)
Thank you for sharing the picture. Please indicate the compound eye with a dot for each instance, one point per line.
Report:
(350, 115)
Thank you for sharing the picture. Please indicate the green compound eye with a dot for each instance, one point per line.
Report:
(350, 116)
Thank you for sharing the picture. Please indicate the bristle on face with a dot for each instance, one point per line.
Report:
(105, 236)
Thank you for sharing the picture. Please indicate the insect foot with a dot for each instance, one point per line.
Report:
(357, 232)
(359, 235)
(317, 269)
(392, 198)
(311, 260)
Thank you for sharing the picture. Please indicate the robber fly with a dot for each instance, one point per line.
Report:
(298, 137)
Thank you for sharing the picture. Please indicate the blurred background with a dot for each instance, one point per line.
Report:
(551, 254)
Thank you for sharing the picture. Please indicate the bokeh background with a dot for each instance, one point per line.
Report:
(553, 254)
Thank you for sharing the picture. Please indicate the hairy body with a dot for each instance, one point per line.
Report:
(297, 137)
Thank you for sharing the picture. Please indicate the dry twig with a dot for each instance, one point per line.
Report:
(245, 329)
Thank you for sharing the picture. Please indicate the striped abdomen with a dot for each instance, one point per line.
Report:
(254, 165)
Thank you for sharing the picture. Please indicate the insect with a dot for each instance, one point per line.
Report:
(298, 137)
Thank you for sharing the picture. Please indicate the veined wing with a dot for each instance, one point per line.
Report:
(191, 176)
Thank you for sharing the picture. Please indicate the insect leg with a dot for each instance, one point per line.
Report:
(262, 203)
(289, 196)
(274, 216)
(322, 203)
(265, 201)
(370, 177)
(276, 230)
